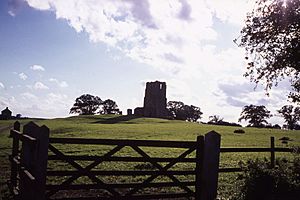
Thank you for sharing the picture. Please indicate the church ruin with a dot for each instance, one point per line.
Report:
(155, 101)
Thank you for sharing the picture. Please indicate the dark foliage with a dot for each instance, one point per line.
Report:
(256, 115)
(284, 138)
(217, 120)
(109, 107)
(240, 131)
(276, 126)
(178, 110)
(291, 115)
(261, 182)
(86, 104)
(271, 39)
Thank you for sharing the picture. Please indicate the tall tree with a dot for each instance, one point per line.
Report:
(86, 104)
(291, 115)
(193, 113)
(215, 119)
(255, 115)
(109, 107)
(271, 38)
(178, 110)
(175, 109)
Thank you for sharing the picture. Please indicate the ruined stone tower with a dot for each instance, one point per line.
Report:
(155, 101)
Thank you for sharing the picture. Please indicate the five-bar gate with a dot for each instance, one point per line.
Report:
(29, 168)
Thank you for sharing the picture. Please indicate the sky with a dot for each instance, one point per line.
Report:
(53, 51)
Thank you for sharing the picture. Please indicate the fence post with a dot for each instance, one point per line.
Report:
(210, 166)
(272, 152)
(34, 159)
(14, 153)
(199, 161)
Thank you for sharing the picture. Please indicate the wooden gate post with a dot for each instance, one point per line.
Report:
(210, 166)
(199, 166)
(272, 152)
(14, 154)
(34, 158)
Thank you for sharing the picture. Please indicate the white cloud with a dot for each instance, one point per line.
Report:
(232, 11)
(23, 76)
(40, 86)
(40, 4)
(44, 106)
(169, 35)
(179, 37)
(62, 84)
(37, 68)
(28, 96)
(2, 86)
(55, 99)
(11, 13)
(153, 32)
(14, 6)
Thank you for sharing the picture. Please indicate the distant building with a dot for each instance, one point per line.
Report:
(6, 114)
(155, 101)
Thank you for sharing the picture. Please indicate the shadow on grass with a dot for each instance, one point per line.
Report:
(118, 119)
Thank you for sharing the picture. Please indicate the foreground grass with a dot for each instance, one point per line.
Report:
(120, 127)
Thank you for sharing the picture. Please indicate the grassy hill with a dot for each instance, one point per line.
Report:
(123, 127)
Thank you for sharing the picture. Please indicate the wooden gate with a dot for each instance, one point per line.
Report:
(29, 167)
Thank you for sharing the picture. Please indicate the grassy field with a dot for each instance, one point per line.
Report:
(120, 127)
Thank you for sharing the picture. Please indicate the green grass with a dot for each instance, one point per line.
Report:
(122, 127)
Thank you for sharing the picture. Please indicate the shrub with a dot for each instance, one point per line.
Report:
(285, 138)
(239, 131)
(260, 182)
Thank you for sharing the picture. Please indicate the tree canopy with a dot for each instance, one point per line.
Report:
(109, 107)
(215, 119)
(86, 104)
(291, 115)
(178, 110)
(271, 38)
(255, 115)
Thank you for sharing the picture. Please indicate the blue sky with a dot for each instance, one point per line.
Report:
(53, 51)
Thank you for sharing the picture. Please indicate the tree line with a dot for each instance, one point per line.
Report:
(256, 115)
(88, 104)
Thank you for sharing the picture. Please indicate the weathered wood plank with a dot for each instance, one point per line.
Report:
(135, 197)
(199, 165)
(23, 137)
(83, 170)
(148, 143)
(121, 173)
(272, 152)
(158, 166)
(262, 149)
(210, 168)
(118, 185)
(120, 159)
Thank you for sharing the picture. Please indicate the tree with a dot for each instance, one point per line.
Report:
(256, 115)
(291, 115)
(271, 38)
(110, 107)
(86, 104)
(175, 109)
(215, 119)
(178, 110)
